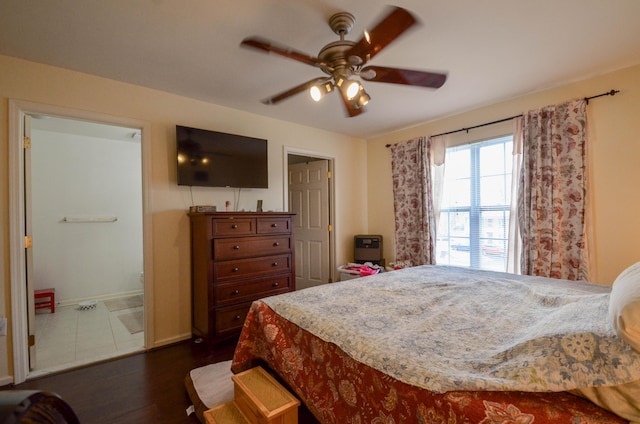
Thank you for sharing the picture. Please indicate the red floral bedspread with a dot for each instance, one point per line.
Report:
(338, 389)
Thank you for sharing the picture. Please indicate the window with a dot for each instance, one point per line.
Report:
(474, 214)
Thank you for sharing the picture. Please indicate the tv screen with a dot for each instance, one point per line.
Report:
(214, 159)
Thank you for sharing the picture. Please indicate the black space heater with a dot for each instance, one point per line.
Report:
(368, 248)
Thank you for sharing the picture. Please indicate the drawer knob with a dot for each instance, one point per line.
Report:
(275, 285)
(235, 270)
(235, 292)
(234, 226)
(274, 225)
(276, 244)
(237, 318)
(236, 247)
(275, 264)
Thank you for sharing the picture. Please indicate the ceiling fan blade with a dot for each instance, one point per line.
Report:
(263, 44)
(293, 91)
(351, 111)
(388, 29)
(403, 76)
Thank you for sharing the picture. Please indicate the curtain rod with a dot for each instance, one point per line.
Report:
(608, 93)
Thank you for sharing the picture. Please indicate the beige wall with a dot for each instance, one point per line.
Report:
(171, 276)
(615, 150)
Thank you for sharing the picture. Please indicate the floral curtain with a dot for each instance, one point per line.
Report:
(415, 223)
(552, 193)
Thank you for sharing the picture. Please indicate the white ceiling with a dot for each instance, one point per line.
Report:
(492, 50)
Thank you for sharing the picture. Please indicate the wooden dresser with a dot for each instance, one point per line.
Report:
(236, 258)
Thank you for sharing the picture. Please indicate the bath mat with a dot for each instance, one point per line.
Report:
(121, 303)
(132, 321)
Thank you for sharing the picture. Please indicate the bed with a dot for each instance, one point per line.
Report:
(438, 344)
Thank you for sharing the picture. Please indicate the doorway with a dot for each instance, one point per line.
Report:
(82, 205)
(310, 195)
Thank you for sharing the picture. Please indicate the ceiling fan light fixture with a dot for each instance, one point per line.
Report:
(352, 89)
(318, 91)
(363, 98)
(360, 99)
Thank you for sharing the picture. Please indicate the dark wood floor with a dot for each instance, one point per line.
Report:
(143, 388)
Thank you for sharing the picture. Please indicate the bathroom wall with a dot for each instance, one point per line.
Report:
(86, 178)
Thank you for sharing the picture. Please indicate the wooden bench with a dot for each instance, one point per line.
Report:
(45, 299)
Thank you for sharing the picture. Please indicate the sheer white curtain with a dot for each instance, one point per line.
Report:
(438, 149)
(514, 245)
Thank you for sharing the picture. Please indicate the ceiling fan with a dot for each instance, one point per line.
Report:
(345, 60)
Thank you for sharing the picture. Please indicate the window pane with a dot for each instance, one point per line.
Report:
(494, 256)
(493, 240)
(459, 224)
(494, 190)
(460, 251)
(494, 224)
(452, 246)
(456, 190)
(492, 159)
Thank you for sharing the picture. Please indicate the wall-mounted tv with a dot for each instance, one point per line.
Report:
(214, 159)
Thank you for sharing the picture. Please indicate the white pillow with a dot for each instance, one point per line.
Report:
(624, 305)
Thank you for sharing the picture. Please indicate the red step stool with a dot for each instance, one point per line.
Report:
(45, 299)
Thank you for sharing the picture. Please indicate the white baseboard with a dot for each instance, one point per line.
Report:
(68, 302)
(172, 340)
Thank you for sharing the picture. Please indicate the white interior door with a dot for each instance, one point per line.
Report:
(309, 199)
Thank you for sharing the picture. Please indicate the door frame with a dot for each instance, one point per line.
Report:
(288, 150)
(17, 111)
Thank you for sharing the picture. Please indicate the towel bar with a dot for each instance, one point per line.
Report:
(90, 219)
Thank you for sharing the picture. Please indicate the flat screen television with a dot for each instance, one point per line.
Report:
(214, 159)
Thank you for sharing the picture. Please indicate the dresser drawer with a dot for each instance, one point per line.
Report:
(271, 225)
(232, 227)
(226, 294)
(231, 319)
(245, 247)
(248, 268)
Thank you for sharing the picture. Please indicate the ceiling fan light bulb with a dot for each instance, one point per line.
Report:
(352, 89)
(315, 93)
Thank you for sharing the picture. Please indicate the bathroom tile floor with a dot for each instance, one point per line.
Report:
(72, 337)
